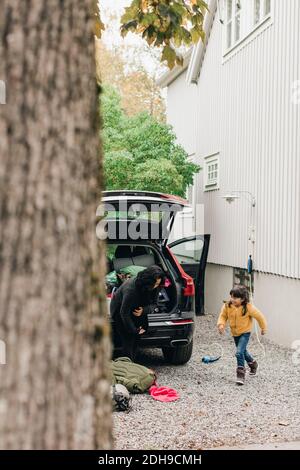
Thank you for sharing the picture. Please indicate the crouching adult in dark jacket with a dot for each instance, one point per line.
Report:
(131, 304)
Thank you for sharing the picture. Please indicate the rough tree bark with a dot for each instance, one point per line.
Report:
(54, 389)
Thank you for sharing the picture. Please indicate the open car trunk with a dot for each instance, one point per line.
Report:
(132, 258)
(133, 216)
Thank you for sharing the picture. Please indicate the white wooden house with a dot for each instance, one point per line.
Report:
(235, 106)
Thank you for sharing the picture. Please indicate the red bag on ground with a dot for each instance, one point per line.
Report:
(164, 394)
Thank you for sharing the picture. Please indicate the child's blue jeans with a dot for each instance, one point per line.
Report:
(242, 354)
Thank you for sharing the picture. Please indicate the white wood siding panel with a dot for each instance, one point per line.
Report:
(244, 110)
(181, 112)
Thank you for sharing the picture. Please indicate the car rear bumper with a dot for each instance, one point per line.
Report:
(165, 330)
(164, 334)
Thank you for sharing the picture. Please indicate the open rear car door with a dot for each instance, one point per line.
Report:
(191, 253)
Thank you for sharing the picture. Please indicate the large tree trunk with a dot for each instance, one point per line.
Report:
(54, 389)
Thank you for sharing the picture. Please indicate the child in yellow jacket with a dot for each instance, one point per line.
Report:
(240, 313)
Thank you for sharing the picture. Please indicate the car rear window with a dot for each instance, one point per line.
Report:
(153, 216)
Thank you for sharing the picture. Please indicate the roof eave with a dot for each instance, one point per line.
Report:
(168, 77)
(199, 49)
(193, 58)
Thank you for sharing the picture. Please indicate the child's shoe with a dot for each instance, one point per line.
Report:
(253, 367)
(240, 375)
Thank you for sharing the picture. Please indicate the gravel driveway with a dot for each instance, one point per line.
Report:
(213, 411)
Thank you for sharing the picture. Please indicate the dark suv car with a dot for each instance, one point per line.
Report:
(138, 225)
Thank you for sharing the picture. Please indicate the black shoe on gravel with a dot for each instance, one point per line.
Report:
(253, 367)
(240, 375)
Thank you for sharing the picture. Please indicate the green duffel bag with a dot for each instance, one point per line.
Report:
(132, 271)
(136, 378)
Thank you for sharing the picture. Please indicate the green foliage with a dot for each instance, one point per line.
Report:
(114, 120)
(111, 108)
(141, 153)
(167, 24)
(158, 175)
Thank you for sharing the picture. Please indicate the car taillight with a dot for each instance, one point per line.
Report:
(189, 286)
(189, 289)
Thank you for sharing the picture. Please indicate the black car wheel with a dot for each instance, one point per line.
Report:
(179, 354)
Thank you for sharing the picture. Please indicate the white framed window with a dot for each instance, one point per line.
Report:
(233, 22)
(262, 9)
(211, 172)
(241, 18)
